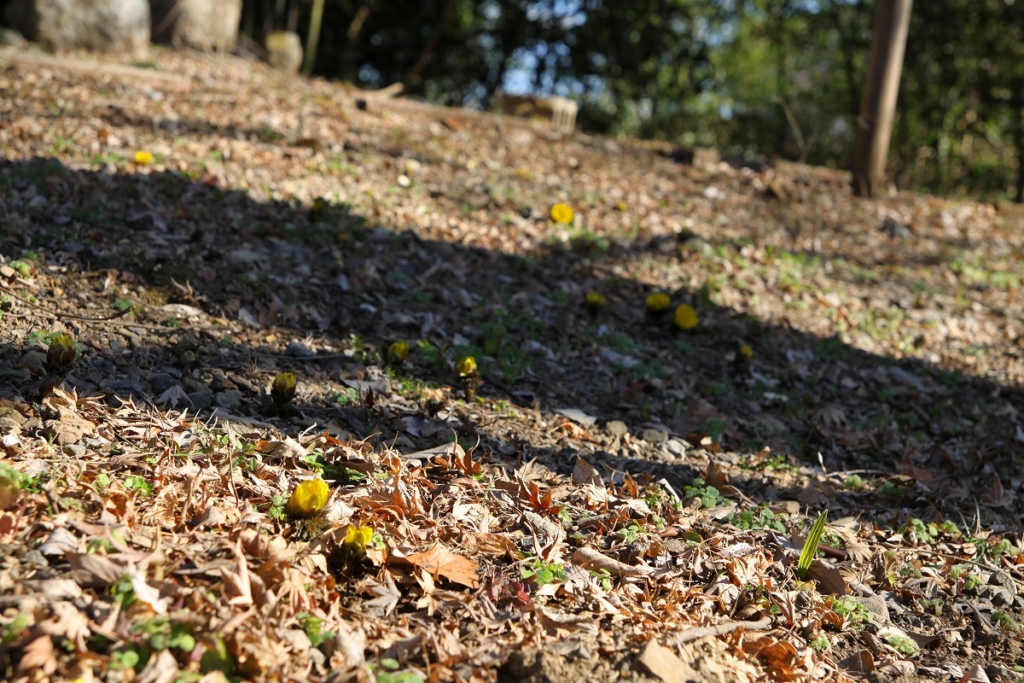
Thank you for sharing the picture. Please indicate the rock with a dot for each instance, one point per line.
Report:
(577, 416)
(220, 382)
(675, 447)
(161, 382)
(200, 24)
(616, 428)
(201, 399)
(284, 50)
(101, 25)
(68, 430)
(654, 436)
(660, 662)
(11, 38)
(229, 400)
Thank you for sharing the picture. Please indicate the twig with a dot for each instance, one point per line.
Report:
(72, 316)
(698, 632)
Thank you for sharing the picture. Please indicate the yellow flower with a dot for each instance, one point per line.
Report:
(562, 213)
(658, 302)
(398, 351)
(61, 353)
(466, 366)
(318, 207)
(686, 318)
(283, 388)
(594, 301)
(143, 158)
(745, 353)
(308, 499)
(358, 537)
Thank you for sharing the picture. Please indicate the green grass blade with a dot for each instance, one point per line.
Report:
(811, 545)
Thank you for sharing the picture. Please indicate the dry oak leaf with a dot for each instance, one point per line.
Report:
(38, 655)
(440, 561)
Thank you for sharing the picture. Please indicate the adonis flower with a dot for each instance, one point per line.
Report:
(594, 302)
(283, 388)
(61, 354)
(358, 537)
(657, 302)
(143, 158)
(562, 213)
(686, 317)
(308, 499)
(398, 352)
(466, 366)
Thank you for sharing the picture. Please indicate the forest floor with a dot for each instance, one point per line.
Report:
(619, 499)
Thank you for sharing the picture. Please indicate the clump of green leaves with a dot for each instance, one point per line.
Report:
(709, 496)
(760, 517)
(851, 609)
(13, 630)
(276, 510)
(901, 643)
(543, 572)
(314, 628)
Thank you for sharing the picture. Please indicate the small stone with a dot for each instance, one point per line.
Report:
(298, 350)
(161, 382)
(74, 450)
(663, 664)
(230, 400)
(616, 428)
(201, 399)
(676, 447)
(68, 430)
(654, 436)
(220, 382)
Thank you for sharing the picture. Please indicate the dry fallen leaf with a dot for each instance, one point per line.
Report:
(440, 561)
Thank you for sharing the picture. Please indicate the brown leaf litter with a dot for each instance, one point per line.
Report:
(619, 500)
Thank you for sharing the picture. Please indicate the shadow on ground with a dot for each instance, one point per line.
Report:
(251, 289)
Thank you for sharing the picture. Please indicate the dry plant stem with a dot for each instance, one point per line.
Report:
(698, 632)
(71, 316)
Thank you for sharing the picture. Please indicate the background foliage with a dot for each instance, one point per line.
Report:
(773, 77)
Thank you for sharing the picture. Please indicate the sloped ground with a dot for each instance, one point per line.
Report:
(620, 499)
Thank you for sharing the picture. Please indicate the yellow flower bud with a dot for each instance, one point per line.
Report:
(398, 352)
(61, 354)
(283, 388)
(562, 213)
(686, 317)
(658, 302)
(358, 537)
(466, 366)
(308, 499)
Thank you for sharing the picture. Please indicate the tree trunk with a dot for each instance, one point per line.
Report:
(1018, 139)
(314, 36)
(431, 44)
(878, 106)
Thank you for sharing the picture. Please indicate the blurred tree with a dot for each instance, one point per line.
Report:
(878, 106)
(777, 77)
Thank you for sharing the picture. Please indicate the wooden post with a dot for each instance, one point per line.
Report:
(878, 104)
(314, 36)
